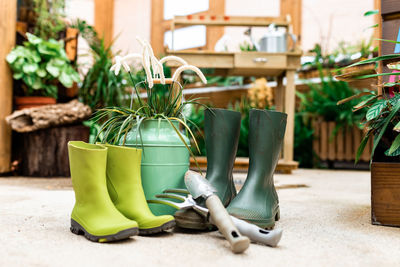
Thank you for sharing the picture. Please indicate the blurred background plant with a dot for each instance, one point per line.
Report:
(319, 103)
(50, 18)
(100, 87)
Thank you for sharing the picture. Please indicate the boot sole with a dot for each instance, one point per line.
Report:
(155, 230)
(77, 229)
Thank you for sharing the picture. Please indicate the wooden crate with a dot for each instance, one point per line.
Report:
(385, 194)
(342, 147)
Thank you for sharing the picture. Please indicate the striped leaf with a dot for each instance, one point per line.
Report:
(376, 109)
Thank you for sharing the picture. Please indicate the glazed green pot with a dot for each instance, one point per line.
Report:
(165, 159)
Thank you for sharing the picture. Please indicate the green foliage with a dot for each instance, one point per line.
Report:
(196, 119)
(100, 87)
(303, 139)
(50, 19)
(40, 65)
(383, 111)
(321, 101)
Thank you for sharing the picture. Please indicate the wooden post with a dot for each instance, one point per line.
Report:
(104, 19)
(290, 98)
(8, 15)
(215, 33)
(331, 141)
(279, 93)
(157, 29)
(293, 8)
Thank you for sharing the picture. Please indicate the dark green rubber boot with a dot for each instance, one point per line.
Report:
(257, 201)
(221, 129)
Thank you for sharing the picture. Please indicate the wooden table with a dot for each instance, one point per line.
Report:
(258, 64)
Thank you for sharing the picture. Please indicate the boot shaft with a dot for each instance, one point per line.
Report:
(88, 164)
(222, 129)
(123, 172)
(266, 133)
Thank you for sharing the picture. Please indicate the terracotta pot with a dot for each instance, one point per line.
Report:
(33, 101)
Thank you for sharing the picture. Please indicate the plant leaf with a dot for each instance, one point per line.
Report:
(376, 109)
(395, 145)
(371, 12)
(397, 127)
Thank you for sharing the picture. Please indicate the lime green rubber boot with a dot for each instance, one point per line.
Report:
(94, 215)
(126, 191)
(221, 130)
(257, 202)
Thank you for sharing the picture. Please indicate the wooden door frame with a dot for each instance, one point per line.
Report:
(8, 15)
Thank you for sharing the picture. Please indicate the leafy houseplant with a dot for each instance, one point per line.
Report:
(40, 65)
(382, 118)
(153, 124)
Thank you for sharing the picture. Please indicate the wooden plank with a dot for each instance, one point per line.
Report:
(348, 142)
(331, 141)
(340, 145)
(104, 19)
(385, 193)
(215, 33)
(222, 20)
(356, 140)
(324, 140)
(157, 32)
(242, 164)
(293, 8)
(390, 6)
(290, 98)
(316, 137)
(8, 12)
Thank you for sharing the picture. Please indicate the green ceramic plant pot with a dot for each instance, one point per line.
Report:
(165, 159)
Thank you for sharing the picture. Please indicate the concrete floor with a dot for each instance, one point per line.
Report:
(325, 216)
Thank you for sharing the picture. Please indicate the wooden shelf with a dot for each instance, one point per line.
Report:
(242, 164)
(229, 21)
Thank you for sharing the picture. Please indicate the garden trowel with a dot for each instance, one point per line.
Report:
(203, 192)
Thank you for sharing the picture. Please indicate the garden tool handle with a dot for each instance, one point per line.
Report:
(220, 217)
(256, 234)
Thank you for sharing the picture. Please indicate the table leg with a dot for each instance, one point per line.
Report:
(290, 98)
(279, 94)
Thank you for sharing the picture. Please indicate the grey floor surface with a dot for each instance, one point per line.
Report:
(325, 216)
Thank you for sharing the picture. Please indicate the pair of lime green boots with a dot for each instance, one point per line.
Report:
(110, 203)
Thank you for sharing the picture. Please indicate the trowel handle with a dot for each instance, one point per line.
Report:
(256, 234)
(220, 217)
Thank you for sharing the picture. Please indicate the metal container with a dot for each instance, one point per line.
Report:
(165, 159)
(275, 42)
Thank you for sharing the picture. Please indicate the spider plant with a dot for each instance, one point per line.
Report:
(163, 102)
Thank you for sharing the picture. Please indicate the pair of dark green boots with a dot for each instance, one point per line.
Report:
(110, 203)
(257, 201)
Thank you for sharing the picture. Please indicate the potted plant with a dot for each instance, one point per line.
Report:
(40, 65)
(153, 124)
(382, 123)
